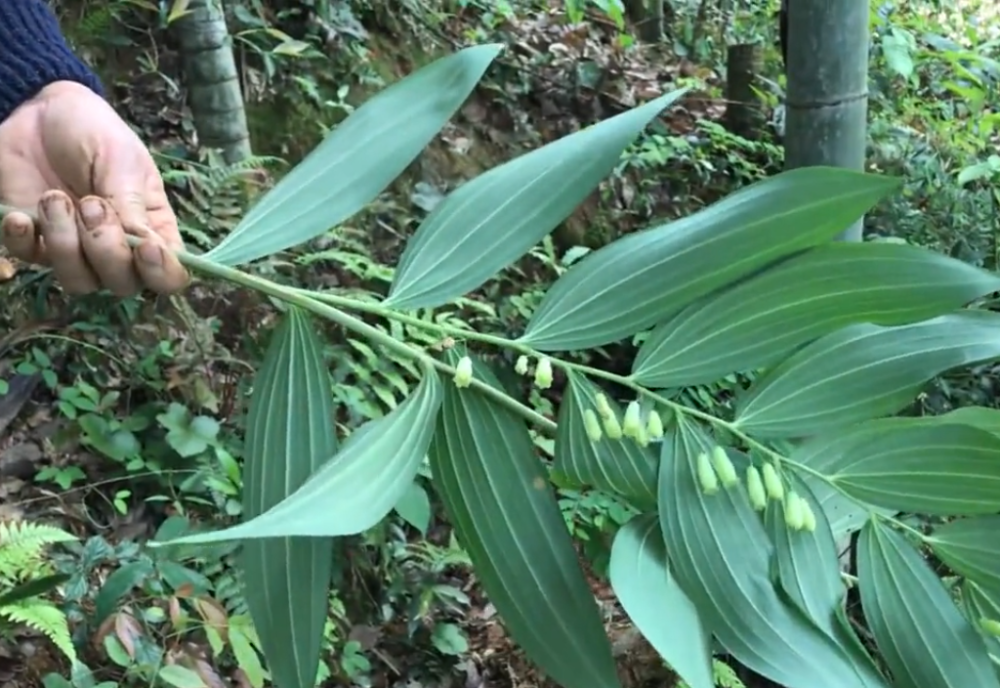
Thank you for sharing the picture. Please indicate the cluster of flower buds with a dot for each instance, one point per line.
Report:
(603, 422)
(763, 485)
(543, 371)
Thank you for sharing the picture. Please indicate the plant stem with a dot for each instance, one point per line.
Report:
(308, 301)
(329, 306)
(459, 333)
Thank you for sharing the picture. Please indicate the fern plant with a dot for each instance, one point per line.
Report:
(25, 574)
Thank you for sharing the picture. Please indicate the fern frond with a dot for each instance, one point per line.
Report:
(45, 618)
(21, 545)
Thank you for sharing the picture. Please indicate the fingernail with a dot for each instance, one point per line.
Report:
(150, 253)
(56, 210)
(17, 229)
(92, 211)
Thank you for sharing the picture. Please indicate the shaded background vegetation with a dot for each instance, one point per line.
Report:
(121, 419)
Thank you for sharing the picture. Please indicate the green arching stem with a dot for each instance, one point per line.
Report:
(501, 342)
(308, 302)
(329, 306)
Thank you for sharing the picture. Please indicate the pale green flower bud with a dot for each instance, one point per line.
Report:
(755, 489)
(543, 373)
(809, 516)
(611, 427)
(990, 626)
(724, 467)
(463, 372)
(632, 423)
(592, 425)
(603, 407)
(654, 425)
(772, 483)
(794, 517)
(521, 367)
(706, 474)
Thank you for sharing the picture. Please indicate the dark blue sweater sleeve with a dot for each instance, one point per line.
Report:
(33, 54)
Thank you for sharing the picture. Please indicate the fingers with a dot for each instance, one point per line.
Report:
(61, 234)
(19, 237)
(103, 244)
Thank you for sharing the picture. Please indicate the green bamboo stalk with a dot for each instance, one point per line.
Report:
(212, 80)
(827, 104)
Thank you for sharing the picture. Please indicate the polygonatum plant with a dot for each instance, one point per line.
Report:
(736, 544)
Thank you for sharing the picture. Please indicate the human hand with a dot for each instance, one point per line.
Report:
(67, 153)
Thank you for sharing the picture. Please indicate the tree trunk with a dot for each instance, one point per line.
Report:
(213, 84)
(647, 16)
(744, 114)
(827, 103)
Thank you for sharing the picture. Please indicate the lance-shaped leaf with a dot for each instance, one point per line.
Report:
(656, 604)
(921, 634)
(358, 160)
(498, 499)
(807, 564)
(620, 466)
(491, 221)
(721, 555)
(643, 278)
(360, 485)
(290, 433)
(980, 603)
(808, 570)
(822, 454)
(971, 547)
(757, 322)
(928, 469)
(861, 372)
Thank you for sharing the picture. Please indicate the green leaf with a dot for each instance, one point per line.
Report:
(449, 639)
(656, 604)
(414, 507)
(721, 555)
(180, 677)
(979, 603)
(808, 570)
(358, 160)
(971, 548)
(808, 567)
(33, 587)
(359, 486)
(987, 419)
(862, 371)
(119, 584)
(922, 636)
(928, 468)
(643, 278)
(822, 454)
(290, 434)
(498, 499)
(756, 322)
(618, 466)
(491, 221)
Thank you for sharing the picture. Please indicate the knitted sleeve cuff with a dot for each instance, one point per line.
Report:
(34, 54)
